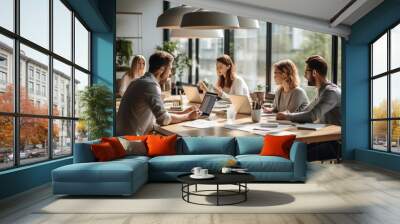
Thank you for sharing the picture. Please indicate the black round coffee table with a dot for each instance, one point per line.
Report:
(238, 179)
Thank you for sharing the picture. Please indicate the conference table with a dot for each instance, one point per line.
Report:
(328, 133)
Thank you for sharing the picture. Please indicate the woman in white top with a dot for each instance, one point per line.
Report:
(228, 81)
(138, 67)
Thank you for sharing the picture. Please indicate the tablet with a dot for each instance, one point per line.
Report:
(208, 103)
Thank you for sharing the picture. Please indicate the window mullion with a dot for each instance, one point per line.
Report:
(389, 112)
(16, 84)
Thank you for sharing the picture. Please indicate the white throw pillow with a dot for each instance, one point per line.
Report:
(135, 147)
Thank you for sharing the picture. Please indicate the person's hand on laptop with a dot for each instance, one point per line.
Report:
(190, 109)
(218, 90)
(203, 86)
(267, 110)
(193, 115)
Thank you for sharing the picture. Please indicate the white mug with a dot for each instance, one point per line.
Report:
(226, 170)
(203, 172)
(196, 171)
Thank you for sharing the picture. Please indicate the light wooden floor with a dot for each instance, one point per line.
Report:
(379, 189)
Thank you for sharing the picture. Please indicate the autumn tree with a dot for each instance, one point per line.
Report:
(33, 131)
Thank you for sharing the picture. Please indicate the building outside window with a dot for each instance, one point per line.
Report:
(385, 95)
(34, 82)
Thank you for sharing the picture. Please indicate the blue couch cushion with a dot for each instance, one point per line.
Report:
(83, 153)
(185, 163)
(257, 163)
(111, 171)
(249, 145)
(206, 145)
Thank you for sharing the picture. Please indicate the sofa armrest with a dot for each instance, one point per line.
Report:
(83, 152)
(298, 155)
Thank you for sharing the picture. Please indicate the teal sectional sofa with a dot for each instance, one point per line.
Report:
(125, 176)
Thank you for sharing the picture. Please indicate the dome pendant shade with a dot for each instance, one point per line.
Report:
(171, 18)
(209, 20)
(247, 23)
(195, 33)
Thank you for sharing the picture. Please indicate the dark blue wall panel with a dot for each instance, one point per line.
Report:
(356, 85)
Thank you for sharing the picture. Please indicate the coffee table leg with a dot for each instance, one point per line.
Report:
(217, 194)
(245, 192)
(196, 188)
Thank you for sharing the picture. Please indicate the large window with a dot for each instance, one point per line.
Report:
(39, 124)
(385, 96)
(250, 52)
(209, 51)
(298, 44)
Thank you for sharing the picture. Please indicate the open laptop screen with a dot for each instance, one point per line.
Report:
(208, 103)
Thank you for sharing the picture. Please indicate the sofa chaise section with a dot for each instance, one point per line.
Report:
(271, 168)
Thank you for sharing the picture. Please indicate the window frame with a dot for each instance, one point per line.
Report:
(16, 115)
(388, 74)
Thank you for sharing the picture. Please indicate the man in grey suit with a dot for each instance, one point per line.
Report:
(325, 108)
(142, 106)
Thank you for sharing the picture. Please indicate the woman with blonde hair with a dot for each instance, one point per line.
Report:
(228, 81)
(289, 96)
(137, 70)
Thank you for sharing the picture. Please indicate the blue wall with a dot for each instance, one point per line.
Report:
(356, 85)
(99, 15)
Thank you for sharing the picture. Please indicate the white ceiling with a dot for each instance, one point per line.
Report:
(315, 15)
(319, 9)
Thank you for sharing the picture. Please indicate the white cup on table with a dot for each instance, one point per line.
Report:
(197, 171)
(203, 172)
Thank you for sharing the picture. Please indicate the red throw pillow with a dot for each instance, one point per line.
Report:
(158, 145)
(277, 145)
(116, 145)
(135, 137)
(103, 152)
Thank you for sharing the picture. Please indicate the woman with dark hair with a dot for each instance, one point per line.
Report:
(138, 68)
(228, 81)
(289, 96)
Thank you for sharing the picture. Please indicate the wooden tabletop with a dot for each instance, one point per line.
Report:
(329, 133)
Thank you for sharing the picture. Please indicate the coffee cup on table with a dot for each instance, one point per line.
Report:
(203, 172)
(226, 170)
(196, 171)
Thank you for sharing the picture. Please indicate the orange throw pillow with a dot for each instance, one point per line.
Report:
(161, 145)
(135, 137)
(277, 145)
(103, 152)
(116, 145)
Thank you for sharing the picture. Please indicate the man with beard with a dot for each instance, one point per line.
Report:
(141, 104)
(325, 108)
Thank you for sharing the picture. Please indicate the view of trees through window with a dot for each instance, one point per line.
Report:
(44, 131)
(385, 96)
(297, 45)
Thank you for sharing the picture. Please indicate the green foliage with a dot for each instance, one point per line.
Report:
(181, 60)
(124, 51)
(96, 103)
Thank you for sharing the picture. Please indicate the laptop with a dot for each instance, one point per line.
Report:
(241, 104)
(207, 104)
(192, 93)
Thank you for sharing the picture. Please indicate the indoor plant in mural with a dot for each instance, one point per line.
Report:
(181, 60)
(124, 53)
(96, 102)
